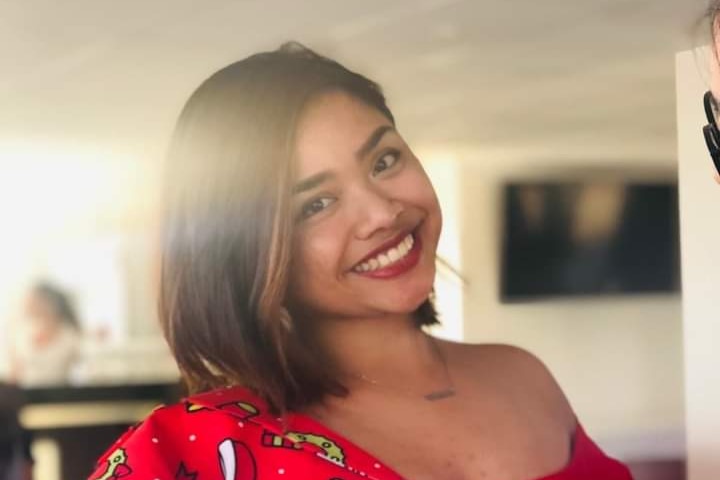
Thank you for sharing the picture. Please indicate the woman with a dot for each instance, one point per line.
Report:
(47, 342)
(712, 135)
(297, 274)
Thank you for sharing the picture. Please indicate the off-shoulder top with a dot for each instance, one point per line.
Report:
(229, 434)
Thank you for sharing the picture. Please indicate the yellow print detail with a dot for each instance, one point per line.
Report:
(248, 407)
(330, 449)
(116, 466)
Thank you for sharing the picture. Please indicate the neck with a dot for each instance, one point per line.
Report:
(384, 349)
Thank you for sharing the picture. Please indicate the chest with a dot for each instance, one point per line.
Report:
(458, 442)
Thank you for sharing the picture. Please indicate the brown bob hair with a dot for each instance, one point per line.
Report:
(227, 229)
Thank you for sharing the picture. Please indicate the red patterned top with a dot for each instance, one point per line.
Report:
(229, 434)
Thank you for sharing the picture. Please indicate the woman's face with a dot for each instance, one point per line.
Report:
(367, 220)
(38, 308)
(715, 68)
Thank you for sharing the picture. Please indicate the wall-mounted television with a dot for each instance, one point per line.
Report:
(589, 238)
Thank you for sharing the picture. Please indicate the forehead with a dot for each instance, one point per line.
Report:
(332, 127)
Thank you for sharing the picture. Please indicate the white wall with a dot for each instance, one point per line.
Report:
(445, 176)
(700, 229)
(619, 359)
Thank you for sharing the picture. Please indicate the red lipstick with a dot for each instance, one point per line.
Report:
(398, 267)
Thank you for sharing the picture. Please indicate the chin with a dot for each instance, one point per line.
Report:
(409, 300)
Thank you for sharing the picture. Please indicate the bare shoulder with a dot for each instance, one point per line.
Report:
(515, 360)
(528, 376)
(501, 356)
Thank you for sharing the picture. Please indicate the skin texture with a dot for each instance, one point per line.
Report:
(715, 67)
(715, 73)
(509, 419)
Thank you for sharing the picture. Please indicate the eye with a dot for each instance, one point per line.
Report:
(315, 205)
(386, 161)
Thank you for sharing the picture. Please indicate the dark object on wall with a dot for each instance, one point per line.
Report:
(589, 238)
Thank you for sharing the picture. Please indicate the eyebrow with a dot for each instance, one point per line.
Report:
(311, 182)
(371, 142)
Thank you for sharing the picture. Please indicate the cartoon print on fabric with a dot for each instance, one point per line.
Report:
(194, 407)
(236, 461)
(244, 410)
(116, 466)
(326, 447)
(184, 474)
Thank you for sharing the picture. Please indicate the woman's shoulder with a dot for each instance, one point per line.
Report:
(231, 434)
(529, 376)
(506, 357)
(194, 435)
(496, 355)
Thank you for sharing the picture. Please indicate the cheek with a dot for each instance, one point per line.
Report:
(419, 191)
(316, 258)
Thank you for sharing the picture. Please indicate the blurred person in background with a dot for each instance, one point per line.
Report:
(298, 267)
(47, 339)
(710, 101)
(15, 458)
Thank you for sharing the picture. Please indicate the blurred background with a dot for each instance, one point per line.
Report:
(550, 130)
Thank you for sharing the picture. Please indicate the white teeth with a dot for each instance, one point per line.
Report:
(390, 256)
(383, 259)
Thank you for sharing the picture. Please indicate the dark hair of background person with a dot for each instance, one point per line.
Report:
(228, 229)
(59, 301)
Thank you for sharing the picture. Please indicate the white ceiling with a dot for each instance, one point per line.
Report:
(590, 79)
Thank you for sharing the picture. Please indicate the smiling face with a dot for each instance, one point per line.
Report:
(715, 65)
(714, 57)
(367, 220)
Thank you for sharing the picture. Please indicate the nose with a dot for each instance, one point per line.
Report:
(376, 211)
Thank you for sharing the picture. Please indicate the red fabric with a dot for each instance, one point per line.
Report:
(228, 434)
(588, 462)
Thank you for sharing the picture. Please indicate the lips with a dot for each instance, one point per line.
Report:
(392, 258)
(394, 242)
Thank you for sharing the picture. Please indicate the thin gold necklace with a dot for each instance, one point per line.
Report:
(435, 395)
